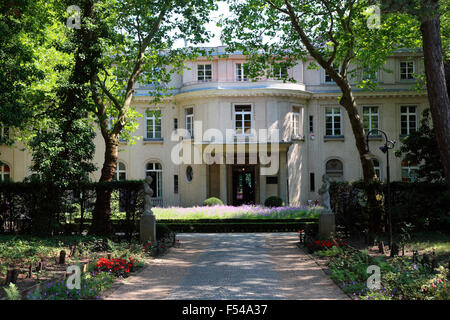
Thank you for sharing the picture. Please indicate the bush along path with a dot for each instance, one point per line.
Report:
(401, 277)
(103, 268)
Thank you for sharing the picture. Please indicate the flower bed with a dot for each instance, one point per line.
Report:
(401, 278)
(241, 212)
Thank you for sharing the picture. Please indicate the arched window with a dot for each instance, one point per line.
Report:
(121, 172)
(154, 170)
(335, 169)
(377, 166)
(5, 173)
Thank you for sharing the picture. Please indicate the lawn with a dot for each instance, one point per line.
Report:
(241, 212)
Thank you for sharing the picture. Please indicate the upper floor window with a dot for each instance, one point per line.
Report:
(243, 119)
(121, 172)
(5, 173)
(333, 121)
(371, 119)
(407, 70)
(410, 171)
(280, 71)
(328, 78)
(241, 74)
(334, 169)
(153, 124)
(296, 122)
(204, 72)
(154, 170)
(189, 121)
(369, 75)
(408, 119)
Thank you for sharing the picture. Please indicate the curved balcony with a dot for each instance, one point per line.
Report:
(240, 85)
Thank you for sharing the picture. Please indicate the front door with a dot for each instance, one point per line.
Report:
(243, 185)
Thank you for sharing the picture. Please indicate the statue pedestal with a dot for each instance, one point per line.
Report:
(148, 228)
(327, 224)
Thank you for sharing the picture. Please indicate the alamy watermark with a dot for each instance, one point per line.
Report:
(74, 19)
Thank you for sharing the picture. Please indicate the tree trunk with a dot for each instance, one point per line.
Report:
(101, 223)
(436, 85)
(374, 207)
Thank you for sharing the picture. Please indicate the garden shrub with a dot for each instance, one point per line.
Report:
(273, 201)
(426, 206)
(213, 201)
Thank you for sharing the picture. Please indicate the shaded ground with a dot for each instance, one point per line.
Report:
(231, 266)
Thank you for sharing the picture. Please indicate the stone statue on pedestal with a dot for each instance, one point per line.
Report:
(327, 225)
(148, 220)
(324, 192)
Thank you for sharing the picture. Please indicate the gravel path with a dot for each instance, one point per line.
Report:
(227, 266)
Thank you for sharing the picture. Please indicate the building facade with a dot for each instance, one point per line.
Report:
(206, 139)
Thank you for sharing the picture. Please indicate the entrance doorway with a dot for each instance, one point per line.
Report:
(243, 185)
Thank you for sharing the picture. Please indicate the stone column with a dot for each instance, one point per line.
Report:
(282, 174)
(223, 183)
(262, 187)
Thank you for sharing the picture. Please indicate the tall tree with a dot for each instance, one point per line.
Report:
(20, 21)
(335, 33)
(428, 13)
(137, 48)
(62, 144)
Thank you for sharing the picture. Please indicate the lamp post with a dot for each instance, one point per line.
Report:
(388, 144)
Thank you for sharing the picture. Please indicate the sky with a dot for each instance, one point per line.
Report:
(215, 41)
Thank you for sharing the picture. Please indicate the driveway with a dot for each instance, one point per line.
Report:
(231, 266)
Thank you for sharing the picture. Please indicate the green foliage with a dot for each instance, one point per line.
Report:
(425, 206)
(91, 287)
(213, 201)
(12, 292)
(273, 201)
(421, 147)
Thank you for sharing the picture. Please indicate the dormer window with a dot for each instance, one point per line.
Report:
(204, 72)
(328, 78)
(280, 71)
(407, 70)
(240, 72)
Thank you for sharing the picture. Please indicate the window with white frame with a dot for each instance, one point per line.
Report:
(243, 119)
(410, 171)
(154, 170)
(189, 121)
(369, 75)
(408, 119)
(407, 70)
(280, 71)
(371, 119)
(240, 72)
(333, 121)
(204, 72)
(121, 172)
(328, 78)
(377, 168)
(153, 124)
(296, 130)
(5, 173)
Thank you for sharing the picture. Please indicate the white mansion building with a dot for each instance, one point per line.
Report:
(313, 132)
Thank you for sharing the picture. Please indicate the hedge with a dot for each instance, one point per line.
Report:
(424, 205)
